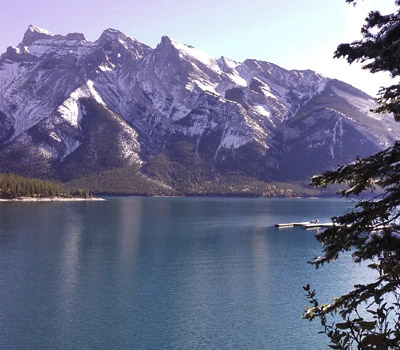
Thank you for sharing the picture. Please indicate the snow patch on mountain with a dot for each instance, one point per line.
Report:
(337, 135)
(33, 29)
(70, 109)
(61, 47)
(362, 104)
(129, 145)
(191, 52)
(233, 139)
(201, 84)
(262, 111)
(71, 145)
(107, 67)
(322, 84)
(227, 64)
(267, 91)
(45, 152)
(55, 137)
(10, 73)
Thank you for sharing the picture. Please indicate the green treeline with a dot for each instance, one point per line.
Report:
(130, 181)
(15, 186)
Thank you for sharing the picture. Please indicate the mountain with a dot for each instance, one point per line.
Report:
(71, 108)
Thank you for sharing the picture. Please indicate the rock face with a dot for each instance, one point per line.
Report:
(70, 107)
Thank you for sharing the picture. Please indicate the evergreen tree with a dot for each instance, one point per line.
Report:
(370, 313)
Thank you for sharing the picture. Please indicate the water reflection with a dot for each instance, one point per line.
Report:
(71, 233)
(261, 259)
(152, 273)
(128, 232)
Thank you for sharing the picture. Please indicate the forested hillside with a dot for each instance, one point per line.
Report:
(15, 186)
(130, 181)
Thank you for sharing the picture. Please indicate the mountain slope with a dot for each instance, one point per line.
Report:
(70, 108)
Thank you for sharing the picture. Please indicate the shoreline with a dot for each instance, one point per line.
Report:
(50, 199)
(64, 199)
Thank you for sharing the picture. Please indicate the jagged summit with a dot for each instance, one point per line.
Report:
(112, 31)
(165, 39)
(188, 50)
(112, 34)
(118, 45)
(34, 33)
(227, 65)
(168, 43)
(189, 53)
(34, 29)
(76, 36)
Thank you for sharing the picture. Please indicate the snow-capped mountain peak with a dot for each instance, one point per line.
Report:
(118, 45)
(191, 53)
(34, 33)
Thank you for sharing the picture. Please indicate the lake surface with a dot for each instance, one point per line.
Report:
(163, 273)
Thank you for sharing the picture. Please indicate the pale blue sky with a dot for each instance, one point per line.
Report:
(295, 34)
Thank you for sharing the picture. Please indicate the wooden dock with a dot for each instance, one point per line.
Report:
(306, 224)
(317, 225)
(291, 224)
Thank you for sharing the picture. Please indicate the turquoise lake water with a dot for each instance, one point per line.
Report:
(164, 273)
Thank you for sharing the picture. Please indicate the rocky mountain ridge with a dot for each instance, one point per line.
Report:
(70, 108)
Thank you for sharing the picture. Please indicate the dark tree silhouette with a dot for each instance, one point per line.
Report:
(370, 313)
